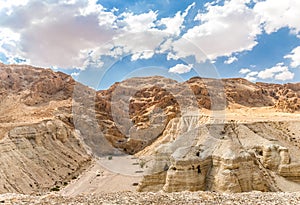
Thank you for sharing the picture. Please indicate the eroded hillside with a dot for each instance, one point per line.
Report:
(203, 134)
(39, 148)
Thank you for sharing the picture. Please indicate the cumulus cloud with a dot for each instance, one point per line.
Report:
(57, 33)
(276, 14)
(270, 72)
(142, 45)
(138, 23)
(75, 74)
(253, 73)
(174, 24)
(181, 68)
(251, 76)
(231, 60)
(295, 57)
(223, 30)
(244, 70)
(284, 75)
(75, 33)
(278, 72)
(140, 36)
(8, 5)
(9, 45)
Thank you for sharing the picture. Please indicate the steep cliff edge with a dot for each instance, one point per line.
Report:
(227, 135)
(229, 157)
(39, 148)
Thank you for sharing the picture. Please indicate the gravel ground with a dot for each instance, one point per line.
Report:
(157, 198)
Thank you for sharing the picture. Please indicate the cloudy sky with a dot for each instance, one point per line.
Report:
(100, 42)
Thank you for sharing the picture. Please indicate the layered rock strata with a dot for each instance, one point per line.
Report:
(223, 158)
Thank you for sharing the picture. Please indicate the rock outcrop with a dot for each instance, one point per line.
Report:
(51, 127)
(39, 147)
(39, 156)
(223, 158)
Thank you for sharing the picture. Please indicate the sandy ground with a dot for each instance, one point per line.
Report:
(245, 115)
(287, 186)
(107, 175)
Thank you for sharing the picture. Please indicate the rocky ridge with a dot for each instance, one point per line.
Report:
(51, 127)
(39, 148)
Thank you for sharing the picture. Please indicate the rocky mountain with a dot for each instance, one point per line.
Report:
(227, 135)
(40, 149)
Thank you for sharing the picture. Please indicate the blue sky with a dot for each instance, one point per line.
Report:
(101, 42)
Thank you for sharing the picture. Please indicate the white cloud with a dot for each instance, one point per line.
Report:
(140, 36)
(9, 44)
(142, 45)
(270, 72)
(278, 72)
(8, 5)
(251, 75)
(244, 70)
(276, 14)
(138, 23)
(174, 24)
(142, 55)
(231, 60)
(285, 75)
(295, 57)
(251, 78)
(75, 74)
(74, 33)
(54, 33)
(181, 68)
(224, 29)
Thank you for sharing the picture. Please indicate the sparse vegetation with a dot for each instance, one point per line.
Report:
(56, 188)
(142, 163)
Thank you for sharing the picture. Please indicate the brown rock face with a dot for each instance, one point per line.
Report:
(39, 148)
(134, 113)
(51, 126)
(37, 85)
(229, 158)
(39, 156)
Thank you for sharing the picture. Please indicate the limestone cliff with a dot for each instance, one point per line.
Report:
(227, 135)
(39, 147)
(39, 156)
(226, 157)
